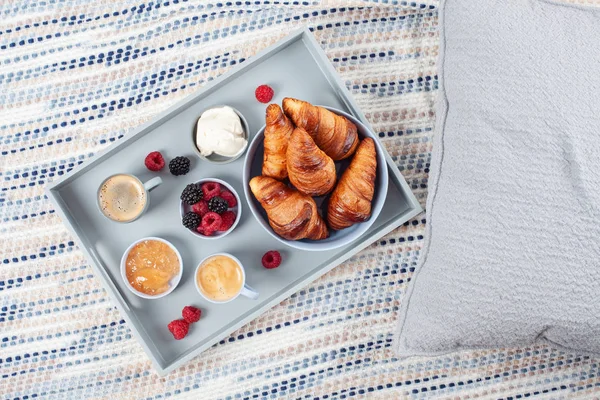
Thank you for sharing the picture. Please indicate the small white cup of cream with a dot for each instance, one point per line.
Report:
(220, 135)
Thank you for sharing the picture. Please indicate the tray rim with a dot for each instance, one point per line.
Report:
(52, 193)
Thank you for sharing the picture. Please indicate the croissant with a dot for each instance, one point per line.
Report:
(277, 133)
(292, 215)
(334, 134)
(350, 201)
(310, 170)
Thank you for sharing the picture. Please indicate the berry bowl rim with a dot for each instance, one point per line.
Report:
(237, 209)
(172, 283)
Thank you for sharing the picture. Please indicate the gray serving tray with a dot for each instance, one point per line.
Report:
(296, 67)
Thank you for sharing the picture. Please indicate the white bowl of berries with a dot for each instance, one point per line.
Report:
(210, 208)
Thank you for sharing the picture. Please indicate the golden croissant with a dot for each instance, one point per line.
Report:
(334, 134)
(350, 201)
(277, 134)
(292, 215)
(310, 170)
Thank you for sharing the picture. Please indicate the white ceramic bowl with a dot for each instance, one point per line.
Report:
(172, 284)
(253, 167)
(216, 158)
(184, 208)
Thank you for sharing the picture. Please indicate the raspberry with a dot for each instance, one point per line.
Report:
(191, 314)
(271, 259)
(264, 93)
(228, 218)
(204, 232)
(211, 221)
(179, 328)
(200, 208)
(229, 197)
(211, 189)
(154, 161)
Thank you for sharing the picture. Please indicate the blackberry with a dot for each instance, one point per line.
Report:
(179, 166)
(192, 194)
(191, 220)
(218, 204)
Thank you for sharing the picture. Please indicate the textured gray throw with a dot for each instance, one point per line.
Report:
(513, 249)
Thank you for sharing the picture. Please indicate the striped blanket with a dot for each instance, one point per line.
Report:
(76, 76)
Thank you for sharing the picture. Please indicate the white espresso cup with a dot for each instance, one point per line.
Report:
(221, 278)
(124, 198)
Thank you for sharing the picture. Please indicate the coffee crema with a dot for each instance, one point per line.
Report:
(122, 198)
(220, 278)
(150, 265)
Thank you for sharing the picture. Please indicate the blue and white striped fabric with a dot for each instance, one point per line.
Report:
(78, 75)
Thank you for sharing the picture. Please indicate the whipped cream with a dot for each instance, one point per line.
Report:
(220, 131)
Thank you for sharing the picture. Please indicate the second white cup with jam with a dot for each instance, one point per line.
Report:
(151, 267)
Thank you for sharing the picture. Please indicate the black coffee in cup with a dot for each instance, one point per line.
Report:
(122, 198)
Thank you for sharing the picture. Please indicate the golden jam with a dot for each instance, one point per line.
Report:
(150, 266)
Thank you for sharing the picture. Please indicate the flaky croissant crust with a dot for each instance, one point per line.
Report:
(277, 134)
(310, 170)
(291, 214)
(351, 199)
(334, 134)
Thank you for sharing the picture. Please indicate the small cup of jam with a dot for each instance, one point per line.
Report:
(151, 268)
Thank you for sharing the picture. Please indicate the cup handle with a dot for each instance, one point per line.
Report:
(152, 183)
(249, 292)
